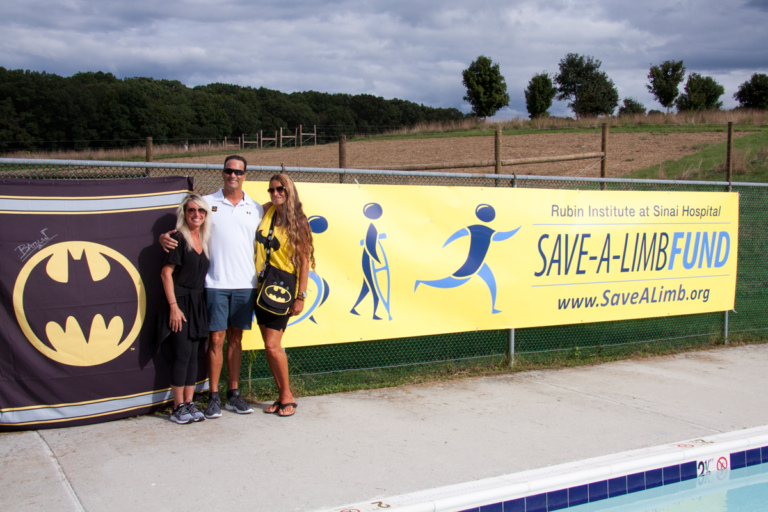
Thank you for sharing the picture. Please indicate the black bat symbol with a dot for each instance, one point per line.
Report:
(261, 239)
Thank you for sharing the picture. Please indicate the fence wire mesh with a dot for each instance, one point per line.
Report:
(337, 362)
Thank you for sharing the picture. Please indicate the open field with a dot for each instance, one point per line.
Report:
(627, 152)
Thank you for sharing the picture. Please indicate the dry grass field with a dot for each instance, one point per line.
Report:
(627, 152)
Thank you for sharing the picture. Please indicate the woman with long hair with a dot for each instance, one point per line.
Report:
(184, 322)
(291, 251)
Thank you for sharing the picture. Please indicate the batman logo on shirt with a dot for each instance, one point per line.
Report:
(261, 239)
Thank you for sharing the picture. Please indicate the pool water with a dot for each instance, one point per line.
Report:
(737, 490)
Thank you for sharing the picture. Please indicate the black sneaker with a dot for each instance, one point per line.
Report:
(197, 414)
(181, 415)
(214, 407)
(237, 404)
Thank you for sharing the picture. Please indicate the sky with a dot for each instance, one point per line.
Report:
(414, 50)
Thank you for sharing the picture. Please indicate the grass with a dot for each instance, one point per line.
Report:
(706, 121)
(134, 154)
(749, 162)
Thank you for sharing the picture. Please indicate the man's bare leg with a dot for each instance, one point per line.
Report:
(215, 358)
(234, 355)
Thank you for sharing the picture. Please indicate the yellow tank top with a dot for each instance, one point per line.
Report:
(280, 256)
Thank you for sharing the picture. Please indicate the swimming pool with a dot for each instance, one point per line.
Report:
(740, 490)
(726, 472)
(736, 490)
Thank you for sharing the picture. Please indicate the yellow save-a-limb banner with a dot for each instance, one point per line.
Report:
(397, 261)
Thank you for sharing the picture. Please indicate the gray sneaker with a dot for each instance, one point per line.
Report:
(181, 415)
(214, 407)
(237, 404)
(197, 414)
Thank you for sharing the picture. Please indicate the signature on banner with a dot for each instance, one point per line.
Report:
(27, 250)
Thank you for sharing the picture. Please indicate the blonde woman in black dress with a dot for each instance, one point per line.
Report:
(184, 322)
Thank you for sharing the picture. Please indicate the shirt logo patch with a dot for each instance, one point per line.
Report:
(213, 208)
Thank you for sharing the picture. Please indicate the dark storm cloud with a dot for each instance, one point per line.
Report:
(758, 4)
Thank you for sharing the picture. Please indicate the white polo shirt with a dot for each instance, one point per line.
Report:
(233, 233)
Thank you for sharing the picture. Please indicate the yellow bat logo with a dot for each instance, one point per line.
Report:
(278, 294)
(85, 304)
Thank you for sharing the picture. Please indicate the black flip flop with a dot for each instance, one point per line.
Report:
(277, 403)
(283, 406)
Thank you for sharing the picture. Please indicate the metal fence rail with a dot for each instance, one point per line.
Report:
(337, 361)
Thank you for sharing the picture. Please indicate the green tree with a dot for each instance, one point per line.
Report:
(590, 90)
(373, 114)
(211, 118)
(539, 95)
(665, 79)
(486, 87)
(631, 106)
(754, 92)
(701, 93)
(40, 110)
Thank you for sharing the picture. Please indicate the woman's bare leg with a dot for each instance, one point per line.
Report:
(278, 363)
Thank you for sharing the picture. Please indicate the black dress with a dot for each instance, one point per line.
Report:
(189, 270)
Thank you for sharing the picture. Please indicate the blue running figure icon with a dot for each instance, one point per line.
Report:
(480, 238)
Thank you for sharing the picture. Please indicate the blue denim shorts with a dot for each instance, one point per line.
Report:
(229, 308)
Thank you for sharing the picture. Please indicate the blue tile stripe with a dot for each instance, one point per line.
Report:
(596, 491)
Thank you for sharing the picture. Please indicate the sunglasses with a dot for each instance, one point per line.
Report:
(279, 190)
(201, 211)
(236, 172)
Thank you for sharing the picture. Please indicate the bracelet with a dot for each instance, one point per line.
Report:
(299, 298)
(172, 303)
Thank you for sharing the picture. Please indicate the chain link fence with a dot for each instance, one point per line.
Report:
(336, 364)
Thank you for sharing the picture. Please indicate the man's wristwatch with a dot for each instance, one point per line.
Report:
(301, 295)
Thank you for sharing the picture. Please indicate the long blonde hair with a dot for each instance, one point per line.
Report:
(181, 221)
(295, 223)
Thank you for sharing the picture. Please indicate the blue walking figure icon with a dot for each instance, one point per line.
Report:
(318, 225)
(373, 255)
(480, 238)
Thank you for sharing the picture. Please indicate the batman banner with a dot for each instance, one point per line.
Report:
(80, 287)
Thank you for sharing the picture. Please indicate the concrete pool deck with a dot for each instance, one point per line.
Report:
(355, 447)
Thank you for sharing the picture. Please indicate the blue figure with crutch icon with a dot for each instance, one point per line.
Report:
(374, 261)
(480, 238)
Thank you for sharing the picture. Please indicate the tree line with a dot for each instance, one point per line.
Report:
(40, 110)
(590, 92)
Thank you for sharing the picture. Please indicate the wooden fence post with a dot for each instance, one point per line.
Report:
(497, 149)
(604, 150)
(729, 157)
(301, 136)
(148, 157)
(343, 151)
(497, 153)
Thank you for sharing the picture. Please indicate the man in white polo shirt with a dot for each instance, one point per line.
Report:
(230, 282)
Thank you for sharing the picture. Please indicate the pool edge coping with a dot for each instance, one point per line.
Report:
(567, 475)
